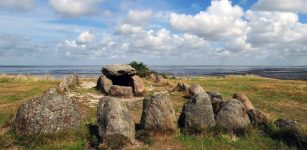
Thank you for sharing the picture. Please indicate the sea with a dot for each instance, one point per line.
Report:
(278, 72)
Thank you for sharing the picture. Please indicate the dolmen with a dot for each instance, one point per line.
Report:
(120, 80)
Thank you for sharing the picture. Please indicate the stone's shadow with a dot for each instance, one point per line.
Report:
(94, 137)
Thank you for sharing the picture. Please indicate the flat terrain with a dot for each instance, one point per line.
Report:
(277, 98)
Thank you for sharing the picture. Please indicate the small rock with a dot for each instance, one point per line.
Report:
(287, 124)
(257, 117)
(104, 84)
(182, 87)
(116, 127)
(195, 89)
(243, 98)
(158, 114)
(68, 83)
(159, 79)
(197, 114)
(121, 91)
(138, 86)
(48, 113)
(233, 116)
(118, 69)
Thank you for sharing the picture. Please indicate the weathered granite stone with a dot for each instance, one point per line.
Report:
(182, 87)
(121, 91)
(195, 89)
(257, 117)
(197, 114)
(245, 101)
(158, 114)
(104, 84)
(118, 69)
(68, 83)
(48, 113)
(233, 116)
(116, 127)
(138, 86)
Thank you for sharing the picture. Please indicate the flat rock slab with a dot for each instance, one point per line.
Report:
(118, 69)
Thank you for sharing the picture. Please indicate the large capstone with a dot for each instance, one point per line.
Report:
(197, 114)
(158, 114)
(233, 116)
(118, 70)
(49, 113)
(104, 84)
(116, 127)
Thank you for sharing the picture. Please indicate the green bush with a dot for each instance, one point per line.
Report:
(141, 68)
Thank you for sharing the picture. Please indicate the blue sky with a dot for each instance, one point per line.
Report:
(172, 32)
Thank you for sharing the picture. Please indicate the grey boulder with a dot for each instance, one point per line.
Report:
(116, 127)
(158, 114)
(68, 83)
(233, 116)
(104, 84)
(121, 91)
(197, 114)
(48, 113)
(195, 89)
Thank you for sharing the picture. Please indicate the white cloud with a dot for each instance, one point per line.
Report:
(17, 4)
(128, 29)
(86, 37)
(219, 20)
(75, 8)
(138, 17)
(281, 5)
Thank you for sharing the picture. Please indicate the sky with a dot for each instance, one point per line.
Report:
(160, 32)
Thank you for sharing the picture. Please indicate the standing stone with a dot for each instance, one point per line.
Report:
(104, 84)
(121, 91)
(243, 98)
(118, 69)
(233, 116)
(195, 89)
(68, 83)
(48, 113)
(197, 114)
(158, 114)
(116, 127)
(138, 86)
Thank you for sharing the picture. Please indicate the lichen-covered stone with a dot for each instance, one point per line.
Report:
(118, 69)
(116, 127)
(244, 100)
(68, 83)
(233, 116)
(195, 89)
(49, 113)
(158, 114)
(104, 84)
(121, 91)
(197, 114)
(138, 86)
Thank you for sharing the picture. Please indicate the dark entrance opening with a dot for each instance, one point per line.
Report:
(122, 80)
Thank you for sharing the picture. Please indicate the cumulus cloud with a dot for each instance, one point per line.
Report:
(284, 5)
(219, 20)
(75, 8)
(17, 4)
(138, 17)
(86, 37)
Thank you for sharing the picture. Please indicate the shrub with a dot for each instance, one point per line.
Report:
(141, 68)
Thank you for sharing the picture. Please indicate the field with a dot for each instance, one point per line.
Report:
(277, 98)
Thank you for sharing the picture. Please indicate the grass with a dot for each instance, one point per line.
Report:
(277, 98)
